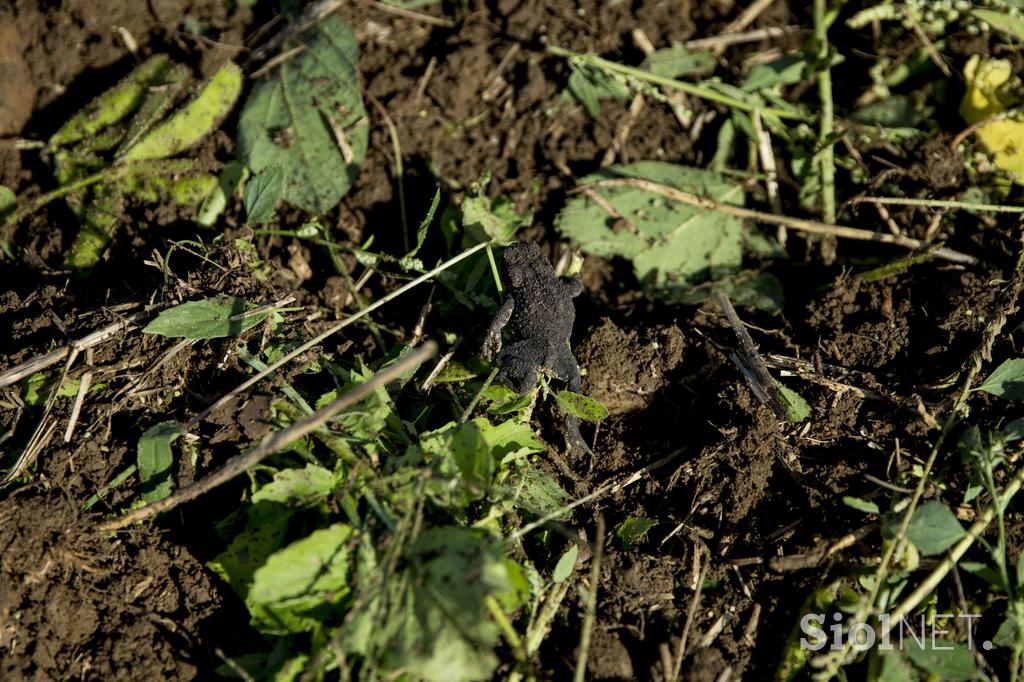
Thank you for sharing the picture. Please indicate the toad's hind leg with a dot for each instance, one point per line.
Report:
(564, 368)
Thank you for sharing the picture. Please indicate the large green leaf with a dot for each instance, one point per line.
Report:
(303, 584)
(934, 528)
(673, 246)
(1006, 380)
(193, 122)
(307, 118)
(442, 631)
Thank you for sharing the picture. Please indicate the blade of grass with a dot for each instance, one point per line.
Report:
(590, 614)
(255, 379)
(939, 203)
(827, 154)
(696, 90)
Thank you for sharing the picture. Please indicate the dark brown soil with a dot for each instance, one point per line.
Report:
(746, 495)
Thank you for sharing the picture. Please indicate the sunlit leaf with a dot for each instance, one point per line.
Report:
(207, 319)
(194, 121)
(307, 118)
(1006, 380)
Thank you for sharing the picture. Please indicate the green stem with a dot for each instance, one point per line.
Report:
(700, 91)
(827, 153)
(161, 166)
(940, 203)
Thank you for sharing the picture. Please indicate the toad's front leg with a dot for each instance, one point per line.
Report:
(492, 341)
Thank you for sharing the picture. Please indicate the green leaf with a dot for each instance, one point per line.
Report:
(633, 529)
(1006, 635)
(894, 112)
(266, 522)
(1006, 381)
(949, 661)
(860, 505)
(198, 118)
(207, 319)
(113, 105)
(1008, 23)
(934, 528)
(537, 492)
(589, 84)
(783, 71)
(472, 454)
(155, 460)
(1013, 431)
(8, 201)
(566, 564)
(304, 584)
(676, 61)
(581, 406)
(797, 408)
(228, 181)
(484, 218)
(421, 233)
(674, 246)
(895, 668)
(261, 195)
(308, 119)
(442, 632)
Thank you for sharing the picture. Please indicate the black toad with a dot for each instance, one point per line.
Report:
(539, 313)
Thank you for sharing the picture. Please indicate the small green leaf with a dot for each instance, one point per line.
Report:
(155, 460)
(566, 564)
(1006, 381)
(228, 181)
(421, 233)
(946, 660)
(785, 70)
(207, 319)
(634, 529)
(261, 195)
(197, 119)
(589, 84)
(538, 493)
(1006, 635)
(307, 118)
(32, 389)
(484, 218)
(860, 505)
(8, 202)
(797, 408)
(1008, 23)
(934, 528)
(1013, 431)
(584, 407)
(472, 454)
(677, 61)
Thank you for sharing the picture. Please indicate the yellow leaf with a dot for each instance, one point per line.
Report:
(991, 90)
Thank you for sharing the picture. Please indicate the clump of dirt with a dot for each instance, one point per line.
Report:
(625, 368)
